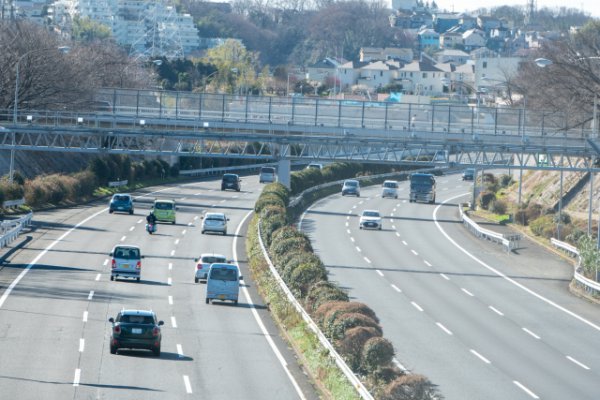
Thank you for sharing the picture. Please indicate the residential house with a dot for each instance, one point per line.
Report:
(451, 39)
(453, 56)
(421, 77)
(377, 74)
(467, 22)
(389, 53)
(473, 39)
(324, 69)
(404, 5)
(492, 72)
(487, 23)
(348, 73)
(428, 38)
(444, 21)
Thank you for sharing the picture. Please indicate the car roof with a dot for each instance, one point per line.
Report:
(148, 313)
(228, 175)
(122, 194)
(126, 246)
(390, 181)
(164, 201)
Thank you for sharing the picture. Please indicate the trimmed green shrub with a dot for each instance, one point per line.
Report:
(286, 232)
(348, 307)
(272, 210)
(322, 311)
(287, 245)
(304, 258)
(270, 225)
(377, 352)
(385, 375)
(279, 190)
(306, 275)
(267, 200)
(351, 345)
(322, 292)
(336, 328)
(410, 387)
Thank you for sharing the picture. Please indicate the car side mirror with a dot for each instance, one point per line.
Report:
(202, 217)
(111, 319)
(161, 323)
(230, 261)
(241, 278)
(110, 254)
(227, 219)
(196, 259)
(142, 256)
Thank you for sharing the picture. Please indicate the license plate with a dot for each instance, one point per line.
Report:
(124, 265)
(221, 296)
(137, 331)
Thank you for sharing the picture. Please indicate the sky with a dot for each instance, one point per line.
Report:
(589, 6)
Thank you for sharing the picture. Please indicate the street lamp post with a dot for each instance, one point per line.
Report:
(206, 79)
(64, 49)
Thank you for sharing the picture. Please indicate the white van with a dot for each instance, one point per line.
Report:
(223, 282)
(267, 174)
(390, 189)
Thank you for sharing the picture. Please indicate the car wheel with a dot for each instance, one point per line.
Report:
(113, 349)
(110, 211)
(202, 232)
(380, 228)
(207, 301)
(137, 279)
(130, 212)
(195, 280)
(235, 302)
(224, 233)
(112, 278)
(156, 351)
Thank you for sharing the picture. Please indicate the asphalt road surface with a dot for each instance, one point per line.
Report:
(478, 322)
(57, 297)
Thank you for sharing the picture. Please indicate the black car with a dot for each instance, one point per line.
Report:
(468, 174)
(121, 202)
(135, 329)
(231, 181)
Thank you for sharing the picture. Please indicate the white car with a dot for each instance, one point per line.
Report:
(390, 189)
(203, 264)
(370, 219)
(214, 222)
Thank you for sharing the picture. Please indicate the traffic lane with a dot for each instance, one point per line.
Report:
(411, 331)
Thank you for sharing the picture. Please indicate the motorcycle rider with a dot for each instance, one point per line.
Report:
(151, 220)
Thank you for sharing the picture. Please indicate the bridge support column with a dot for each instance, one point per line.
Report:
(284, 171)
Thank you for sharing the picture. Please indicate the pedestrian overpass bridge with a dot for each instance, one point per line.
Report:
(160, 123)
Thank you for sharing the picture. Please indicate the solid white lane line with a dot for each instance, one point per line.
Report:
(170, 266)
(396, 288)
(367, 260)
(351, 239)
(467, 292)
(123, 238)
(172, 253)
(531, 333)
(523, 388)
(81, 345)
(426, 263)
(500, 313)
(171, 300)
(379, 272)
(404, 243)
(105, 262)
(415, 253)
(85, 316)
(188, 385)
(132, 228)
(176, 242)
(91, 295)
(77, 377)
(358, 249)
(173, 322)
(183, 232)
(169, 281)
(98, 277)
(445, 277)
(259, 321)
(415, 305)
(582, 365)
(504, 276)
(179, 350)
(442, 327)
(482, 358)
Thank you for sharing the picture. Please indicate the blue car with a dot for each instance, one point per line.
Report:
(121, 202)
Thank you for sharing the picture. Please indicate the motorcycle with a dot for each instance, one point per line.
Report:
(150, 228)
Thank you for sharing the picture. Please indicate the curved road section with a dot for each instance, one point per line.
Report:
(477, 321)
(56, 298)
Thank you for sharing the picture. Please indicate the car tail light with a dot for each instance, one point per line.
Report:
(114, 264)
(155, 331)
(199, 266)
(117, 329)
(138, 265)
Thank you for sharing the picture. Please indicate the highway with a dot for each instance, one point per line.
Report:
(57, 298)
(478, 322)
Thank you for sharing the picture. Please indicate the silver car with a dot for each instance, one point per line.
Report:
(126, 262)
(214, 222)
(203, 264)
(390, 189)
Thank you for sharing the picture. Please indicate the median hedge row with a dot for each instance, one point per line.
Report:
(352, 327)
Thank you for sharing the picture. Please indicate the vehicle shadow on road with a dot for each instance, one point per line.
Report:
(164, 355)
(238, 305)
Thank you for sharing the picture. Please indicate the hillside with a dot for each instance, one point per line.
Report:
(32, 163)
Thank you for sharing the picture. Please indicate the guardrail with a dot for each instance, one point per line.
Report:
(10, 230)
(589, 285)
(221, 170)
(358, 385)
(509, 242)
(13, 203)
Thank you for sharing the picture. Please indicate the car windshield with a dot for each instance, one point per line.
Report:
(421, 179)
(229, 178)
(223, 274)
(137, 319)
(127, 253)
(122, 198)
(163, 206)
(370, 214)
(390, 185)
(213, 259)
(351, 183)
(215, 218)
(267, 170)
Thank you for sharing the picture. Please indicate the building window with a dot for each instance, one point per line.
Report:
(424, 75)
(485, 64)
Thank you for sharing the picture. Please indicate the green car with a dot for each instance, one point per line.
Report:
(135, 329)
(164, 210)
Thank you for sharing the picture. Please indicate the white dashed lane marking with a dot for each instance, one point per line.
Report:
(445, 277)
(467, 292)
(415, 305)
(173, 322)
(91, 295)
(77, 377)
(578, 363)
(123, 238)
(396, 288)
(188, 386)
(482, 358)
(442, 327)
(85, 316)
(415, 253)
(500, 313)
(132, 228)
(531, 333)
(179, 350)
(81, 345)
(379, 272)
(526, 390)
(170, 266)
(98, 277)
(171, 300)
